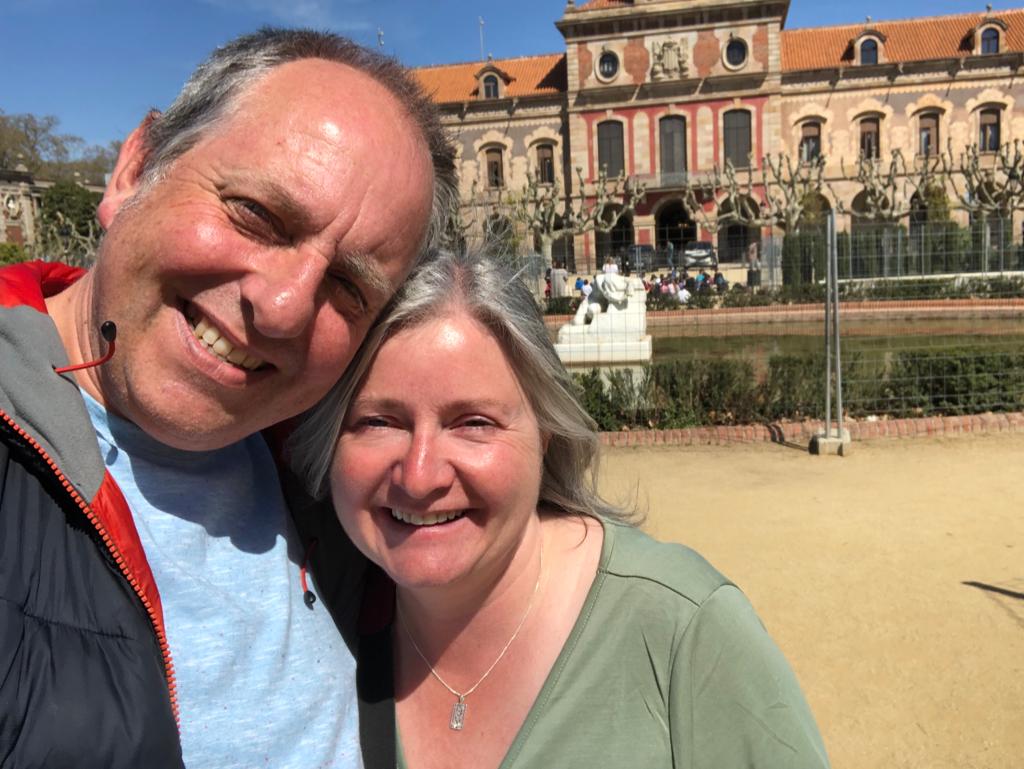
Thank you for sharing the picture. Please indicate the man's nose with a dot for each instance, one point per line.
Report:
(424, 469)
(282, 292)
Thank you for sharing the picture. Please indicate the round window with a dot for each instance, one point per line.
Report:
(608, 65)
(736, 53)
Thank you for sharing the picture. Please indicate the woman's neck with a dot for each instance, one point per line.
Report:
(475, 616)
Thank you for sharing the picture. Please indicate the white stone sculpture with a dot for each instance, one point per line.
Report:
(610, 326)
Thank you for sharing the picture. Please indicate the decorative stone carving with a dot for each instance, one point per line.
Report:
(12, 208)
(671, 60)
(609, 327)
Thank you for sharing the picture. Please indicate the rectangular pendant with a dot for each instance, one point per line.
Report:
(458, 716)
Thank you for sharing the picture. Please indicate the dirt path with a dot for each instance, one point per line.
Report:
(858, 567)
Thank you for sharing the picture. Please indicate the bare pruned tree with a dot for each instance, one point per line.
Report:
(990, 184)
(549, 215)
(890, 188)
(59, 239)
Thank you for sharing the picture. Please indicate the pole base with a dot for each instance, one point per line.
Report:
(830, 444)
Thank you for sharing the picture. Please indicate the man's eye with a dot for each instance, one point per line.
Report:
(255, 217)
(349, 290)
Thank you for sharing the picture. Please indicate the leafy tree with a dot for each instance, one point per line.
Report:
(11, 253)
(35, 142)
(68, 229)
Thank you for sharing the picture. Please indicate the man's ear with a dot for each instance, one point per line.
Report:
(127, 175)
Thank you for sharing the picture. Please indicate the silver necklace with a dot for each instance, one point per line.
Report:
(458, 716)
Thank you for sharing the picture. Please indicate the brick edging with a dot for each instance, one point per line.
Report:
(780, 432)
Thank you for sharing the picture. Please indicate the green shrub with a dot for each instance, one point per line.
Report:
(10, 253)
(562, 305)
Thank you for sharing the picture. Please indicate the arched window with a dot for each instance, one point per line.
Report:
(609, 147)
(495, 168)
(869, 52)
(810, 141)
(869, 135)
(545, 164)
(990, 40)
(672, 134)
(736, 130)
(988, 137)
(928, 134)
(491, 87)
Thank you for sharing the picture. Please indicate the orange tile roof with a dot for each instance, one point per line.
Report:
(935, 37)
(531, 76)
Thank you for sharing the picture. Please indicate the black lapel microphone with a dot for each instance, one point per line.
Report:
(109, 332)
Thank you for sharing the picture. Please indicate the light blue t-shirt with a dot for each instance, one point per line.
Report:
(263, 680)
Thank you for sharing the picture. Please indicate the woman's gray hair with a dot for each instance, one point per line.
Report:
(212, 92)
(500, 301)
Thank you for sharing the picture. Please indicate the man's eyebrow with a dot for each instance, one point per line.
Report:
(279, 199)
(367, 271)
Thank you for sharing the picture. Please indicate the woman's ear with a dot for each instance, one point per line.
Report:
(127, 175)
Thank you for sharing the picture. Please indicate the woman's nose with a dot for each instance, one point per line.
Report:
(424, 469)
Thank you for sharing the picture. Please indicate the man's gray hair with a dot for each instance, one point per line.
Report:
(501, 302)
(213, 90)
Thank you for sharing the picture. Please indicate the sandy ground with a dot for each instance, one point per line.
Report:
(859, 568)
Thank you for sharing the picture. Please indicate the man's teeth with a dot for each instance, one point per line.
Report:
(211, 339)
(425, 520)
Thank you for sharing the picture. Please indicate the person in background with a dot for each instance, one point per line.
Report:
(610, 267)
(720, 283)
(559, 281)
(155, 609)
(520, 619)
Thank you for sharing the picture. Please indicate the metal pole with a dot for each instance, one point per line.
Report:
(828, 338)
(834, 256)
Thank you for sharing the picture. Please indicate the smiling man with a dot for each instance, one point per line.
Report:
(152, 581)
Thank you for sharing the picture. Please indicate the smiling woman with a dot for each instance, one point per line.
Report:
(525, 622)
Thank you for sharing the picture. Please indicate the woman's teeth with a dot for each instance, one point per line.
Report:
(211, 338)
(425, 520)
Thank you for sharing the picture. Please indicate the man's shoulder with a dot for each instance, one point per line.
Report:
(29, 283)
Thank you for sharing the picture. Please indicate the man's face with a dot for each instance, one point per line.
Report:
(277, 239)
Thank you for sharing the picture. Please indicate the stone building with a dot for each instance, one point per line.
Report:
(666, 90)
(19, 206)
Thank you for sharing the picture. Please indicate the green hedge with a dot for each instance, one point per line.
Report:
(727, 391)
(11, 253)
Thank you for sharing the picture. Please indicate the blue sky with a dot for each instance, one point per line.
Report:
(98, 65)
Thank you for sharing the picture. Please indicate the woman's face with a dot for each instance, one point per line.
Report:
(438, 468)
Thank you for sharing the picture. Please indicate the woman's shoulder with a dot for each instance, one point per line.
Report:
(634, 556)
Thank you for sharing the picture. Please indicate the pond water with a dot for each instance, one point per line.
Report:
(759, 341)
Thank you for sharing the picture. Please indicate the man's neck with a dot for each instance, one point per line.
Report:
(70, 312)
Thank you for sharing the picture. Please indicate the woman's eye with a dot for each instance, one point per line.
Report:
(477, 422)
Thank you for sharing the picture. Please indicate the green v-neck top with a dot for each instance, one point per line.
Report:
(667, 665)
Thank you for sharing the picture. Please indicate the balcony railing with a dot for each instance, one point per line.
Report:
(664, 179)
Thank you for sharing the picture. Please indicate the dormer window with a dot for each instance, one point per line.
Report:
(869, 52)
(490, 83)
(990, 41)
(988, 36)
(867, 47)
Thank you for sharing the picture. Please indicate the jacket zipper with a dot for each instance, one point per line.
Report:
(161, 636)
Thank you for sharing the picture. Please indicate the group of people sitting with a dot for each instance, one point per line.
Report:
(684, 286)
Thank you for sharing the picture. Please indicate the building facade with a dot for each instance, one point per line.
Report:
(667, 91)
